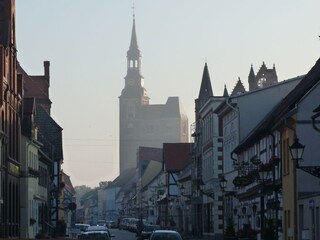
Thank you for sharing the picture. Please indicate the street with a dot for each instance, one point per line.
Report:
(122, 234)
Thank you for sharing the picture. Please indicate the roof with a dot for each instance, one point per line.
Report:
(176, 156)
(172, 109)
(124, 178)
(228, 101)
(34, 86)
(149, 153)
(281, 110)
(68, 184)
(50, 133)
(238, 89)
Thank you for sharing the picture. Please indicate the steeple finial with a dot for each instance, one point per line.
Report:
(133, 13)
(134, 43)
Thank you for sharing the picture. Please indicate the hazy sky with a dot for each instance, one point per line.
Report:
(86, 43)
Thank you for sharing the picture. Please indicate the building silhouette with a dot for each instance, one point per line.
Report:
(143, 124)
(264, 77)
(10, 122)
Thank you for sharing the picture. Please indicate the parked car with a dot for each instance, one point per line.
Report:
(123, 223)
(148, 230)
(165, 235)
(111, 224)
(95, 235)
(97, 229)
(102, 223)
(81, 228)
(132, 224)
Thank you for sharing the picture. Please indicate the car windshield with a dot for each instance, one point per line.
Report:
(97, 228)
(166, 236)
(95, 236)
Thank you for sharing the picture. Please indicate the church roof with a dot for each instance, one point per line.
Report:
(205, 89)
(172, 109)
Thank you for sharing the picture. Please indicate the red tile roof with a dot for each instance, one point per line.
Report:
(176, 156)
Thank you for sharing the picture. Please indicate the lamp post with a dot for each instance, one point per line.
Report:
(296, 150)
(254, 210)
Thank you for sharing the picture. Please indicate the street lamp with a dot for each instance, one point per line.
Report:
(296, 150)
(223, 183)
(254, 210)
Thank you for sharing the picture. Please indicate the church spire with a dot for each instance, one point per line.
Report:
(252, 79)
(205, 89)
(133, 54)
(134, 42)
(251, 73)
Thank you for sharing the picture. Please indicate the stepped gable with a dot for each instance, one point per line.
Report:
(238, 89)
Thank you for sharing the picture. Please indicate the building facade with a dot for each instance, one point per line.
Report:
(10, 110)
(207, 162)
(38, 123)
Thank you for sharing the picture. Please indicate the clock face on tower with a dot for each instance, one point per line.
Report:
(261, 82)
(130, 82)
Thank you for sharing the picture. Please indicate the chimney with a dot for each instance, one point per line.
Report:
(46, 65)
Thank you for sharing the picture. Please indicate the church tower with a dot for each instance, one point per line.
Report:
(132, 98)
(265, 77)
(142, 124)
